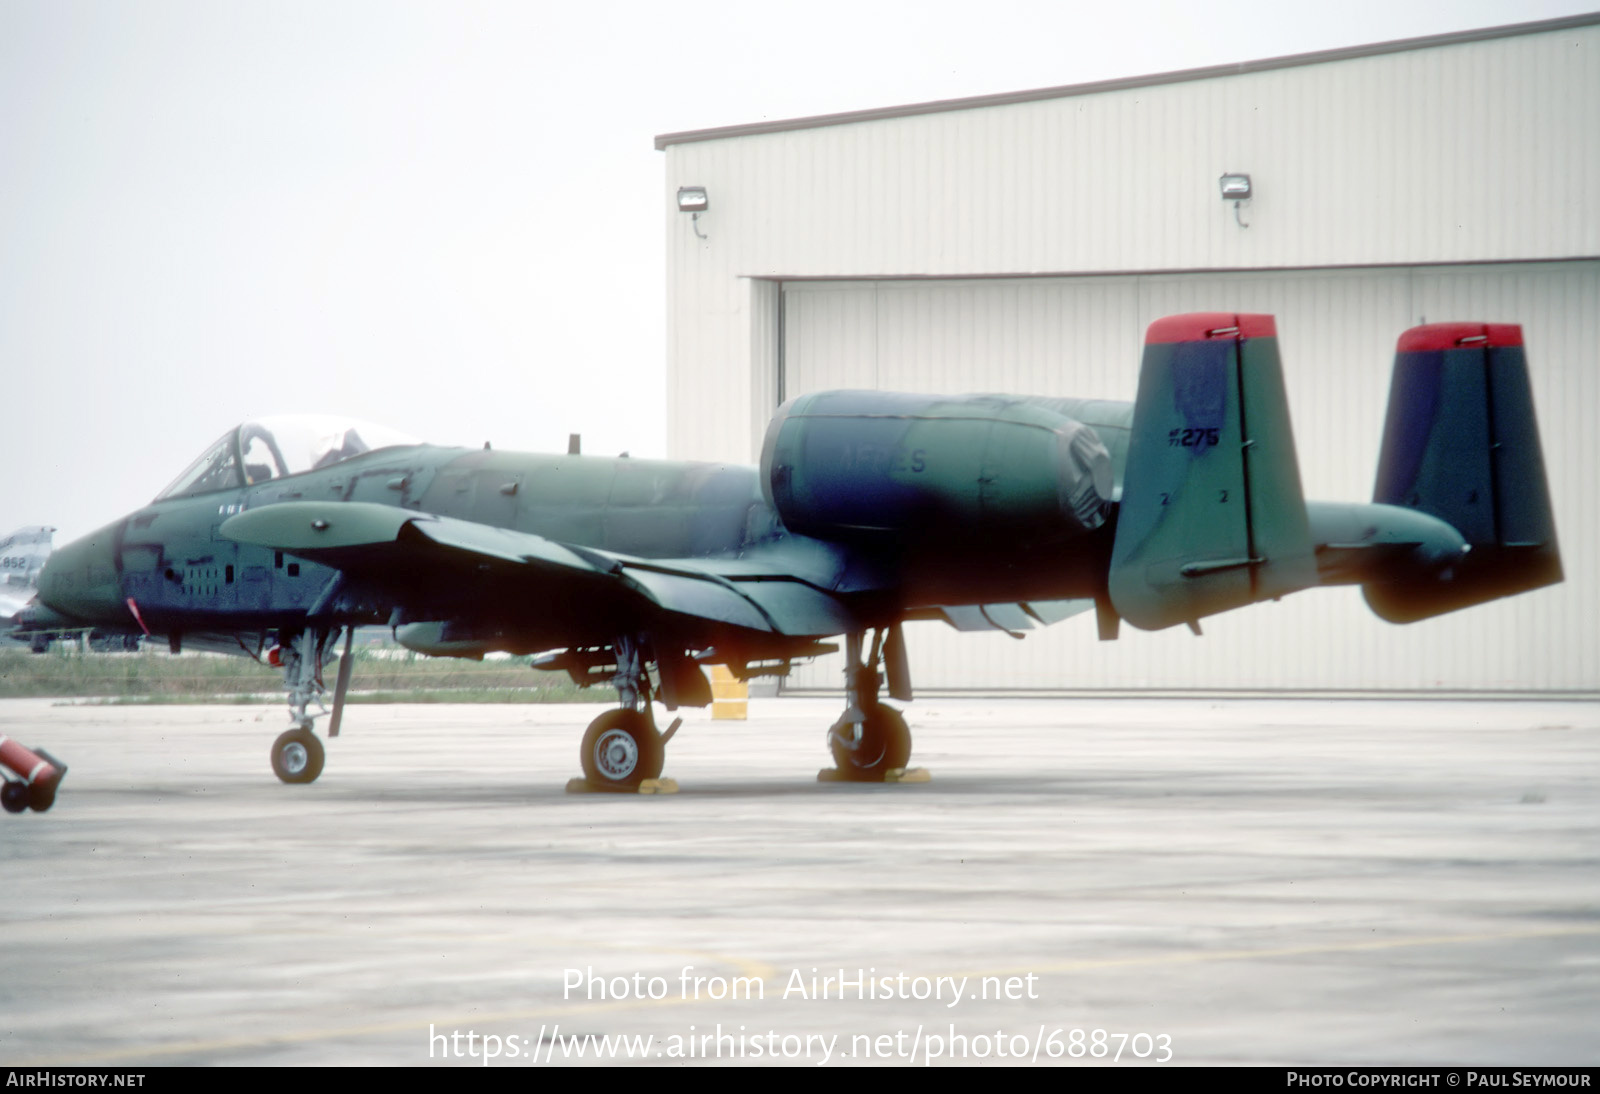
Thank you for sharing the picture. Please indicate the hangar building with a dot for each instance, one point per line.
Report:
(1022, 243)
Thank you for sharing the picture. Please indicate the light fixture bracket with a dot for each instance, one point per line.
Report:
(1235, 187)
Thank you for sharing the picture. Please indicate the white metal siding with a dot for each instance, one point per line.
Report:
(1463, 153)
(1083, 337)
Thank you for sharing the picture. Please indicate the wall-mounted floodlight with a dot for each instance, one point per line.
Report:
(1236, 188)
(694, 200)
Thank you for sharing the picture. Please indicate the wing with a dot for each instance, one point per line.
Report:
(421, 557)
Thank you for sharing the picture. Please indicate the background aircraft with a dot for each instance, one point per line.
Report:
(22, 556)
(868, 509)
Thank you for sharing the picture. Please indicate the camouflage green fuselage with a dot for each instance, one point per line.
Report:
(170, 563)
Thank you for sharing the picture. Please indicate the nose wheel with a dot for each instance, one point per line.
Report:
(297, 756)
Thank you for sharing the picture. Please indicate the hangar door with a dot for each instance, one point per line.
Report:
(1083, 337)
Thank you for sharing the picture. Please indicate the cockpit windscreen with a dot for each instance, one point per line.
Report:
(276, 447)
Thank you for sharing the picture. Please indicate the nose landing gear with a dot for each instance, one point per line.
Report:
(297, 754)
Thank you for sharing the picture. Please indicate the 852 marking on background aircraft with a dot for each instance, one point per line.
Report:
(1012, 511)
(22, 557)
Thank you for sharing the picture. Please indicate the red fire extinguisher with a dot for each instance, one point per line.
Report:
(37, 775)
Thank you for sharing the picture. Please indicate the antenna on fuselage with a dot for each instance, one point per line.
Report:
(574, 444)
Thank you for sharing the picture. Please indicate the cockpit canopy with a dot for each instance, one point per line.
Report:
(275, 447)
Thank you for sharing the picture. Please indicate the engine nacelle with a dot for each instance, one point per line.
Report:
(841, 463)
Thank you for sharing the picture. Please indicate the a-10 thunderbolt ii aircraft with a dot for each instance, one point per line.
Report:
(868, 509)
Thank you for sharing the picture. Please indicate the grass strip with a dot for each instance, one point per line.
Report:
(378, 676)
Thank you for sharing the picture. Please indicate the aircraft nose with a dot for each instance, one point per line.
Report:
(80, 580)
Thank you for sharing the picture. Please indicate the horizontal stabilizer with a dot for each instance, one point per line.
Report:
(1212, 516)
(1358, 543)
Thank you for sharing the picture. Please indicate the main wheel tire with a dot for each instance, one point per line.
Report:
(14, 797)
(297, 756)
(622, 749)
(885, 744)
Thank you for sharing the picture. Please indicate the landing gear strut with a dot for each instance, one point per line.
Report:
(870, 740)
(297, 754)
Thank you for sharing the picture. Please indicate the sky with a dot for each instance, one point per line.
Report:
(446, 217)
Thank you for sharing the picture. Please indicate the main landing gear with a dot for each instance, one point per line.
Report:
(297, 754)
(622, 748)
(870, 742)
